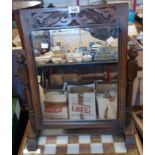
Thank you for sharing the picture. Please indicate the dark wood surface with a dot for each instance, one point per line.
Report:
(132, 68)
(92, 16)
(23, 75)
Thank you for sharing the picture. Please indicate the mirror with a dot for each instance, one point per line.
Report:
(77, 72)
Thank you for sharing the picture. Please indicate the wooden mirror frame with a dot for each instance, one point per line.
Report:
(58, 18)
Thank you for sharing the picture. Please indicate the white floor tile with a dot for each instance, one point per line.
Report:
(50, 149)
(42, 141)
(62, 139)
(96, 148)
(107, 139)
(84, 139)
(120, 147)
(73, 149)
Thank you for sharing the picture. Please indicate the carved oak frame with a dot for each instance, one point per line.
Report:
(56, 18)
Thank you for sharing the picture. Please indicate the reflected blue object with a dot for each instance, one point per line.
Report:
(131, 16)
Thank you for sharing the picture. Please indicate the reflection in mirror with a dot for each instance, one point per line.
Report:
(77, 72)
(75, 45)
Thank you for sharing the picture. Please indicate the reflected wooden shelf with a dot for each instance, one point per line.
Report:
(77, 64)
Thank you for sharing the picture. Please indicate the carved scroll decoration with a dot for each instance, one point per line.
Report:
(63, 18)
(96, 16)
(50, 19)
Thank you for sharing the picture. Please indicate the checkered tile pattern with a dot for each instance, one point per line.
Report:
(80, 144)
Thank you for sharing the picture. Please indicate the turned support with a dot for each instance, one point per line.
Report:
(132, 70)
(23, 76)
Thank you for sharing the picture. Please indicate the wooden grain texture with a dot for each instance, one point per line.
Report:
(123, 39)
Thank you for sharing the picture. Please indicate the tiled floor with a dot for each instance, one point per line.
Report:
(82, 144)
